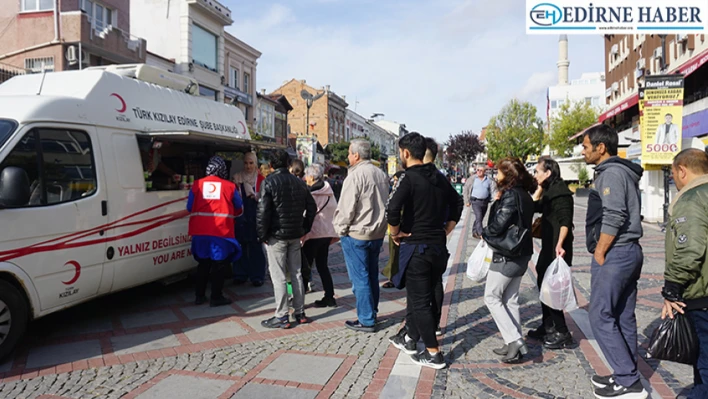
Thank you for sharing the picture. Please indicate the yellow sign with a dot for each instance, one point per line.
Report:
(661, 110)
(392, 166)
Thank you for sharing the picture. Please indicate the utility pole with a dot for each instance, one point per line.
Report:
(310, 99)
(666, 170)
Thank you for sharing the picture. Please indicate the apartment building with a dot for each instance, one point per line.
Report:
(240, 62)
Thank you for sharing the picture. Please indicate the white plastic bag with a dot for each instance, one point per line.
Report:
(557, 291)
(478, 263)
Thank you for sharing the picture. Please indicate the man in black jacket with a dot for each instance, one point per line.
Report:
(284, 199)
(423, 195)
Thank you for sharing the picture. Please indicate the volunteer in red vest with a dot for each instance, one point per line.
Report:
(214, 204)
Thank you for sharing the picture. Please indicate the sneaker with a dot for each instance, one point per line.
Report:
(426, 359)
(326, 303)
(407, 346)
(356, 326)
(438, 332)
(277, 322)
(602, 381)
(302, 319)
(614, 390)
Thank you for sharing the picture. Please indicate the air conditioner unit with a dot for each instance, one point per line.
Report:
(681, 37)
(641, 63)
(658, 53)
(615, 49)
(72, 56)
(615, 86)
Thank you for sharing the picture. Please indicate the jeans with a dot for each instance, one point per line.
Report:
(424, 292)
(501, 295)
(284, 255)
(612, 303)
(479, 207)
(700, 369)
(252, 265)
(213, 271)
(317, 251)
(362, 259)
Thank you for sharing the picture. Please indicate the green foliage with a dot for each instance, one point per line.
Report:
(570, 120)
(339, 152)
(517, 131)
(463, 148)
(583, 175)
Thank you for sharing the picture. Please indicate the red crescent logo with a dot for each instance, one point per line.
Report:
(122, 102)
(77, 267)
(213, 188)
(243, 126)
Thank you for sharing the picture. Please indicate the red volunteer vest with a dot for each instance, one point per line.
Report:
(213, 210)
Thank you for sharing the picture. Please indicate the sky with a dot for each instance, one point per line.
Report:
(439, 67)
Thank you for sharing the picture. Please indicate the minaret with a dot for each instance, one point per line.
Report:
(563, 62)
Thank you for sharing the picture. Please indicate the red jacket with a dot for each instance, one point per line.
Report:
(213, 210)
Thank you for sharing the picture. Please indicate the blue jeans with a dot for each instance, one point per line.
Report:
(613, 299)
(362, 259)
(252, 265)
(700, 369)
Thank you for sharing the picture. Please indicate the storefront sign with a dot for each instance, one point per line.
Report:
(307, 149)
(696, 124)
(661, 110)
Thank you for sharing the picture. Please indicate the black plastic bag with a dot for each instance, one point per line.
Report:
(674, 340)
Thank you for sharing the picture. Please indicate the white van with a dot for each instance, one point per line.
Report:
(94, 171)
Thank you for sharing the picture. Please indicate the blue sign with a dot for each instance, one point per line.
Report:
(696, 124)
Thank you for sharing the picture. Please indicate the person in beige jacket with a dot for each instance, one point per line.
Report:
(360, 220)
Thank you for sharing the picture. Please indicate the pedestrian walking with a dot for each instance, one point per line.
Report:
(284, 200)
(467, 188)
(360, 221)
(417, 213)
(685, 288)
(480, 196)
(316, 243)
(554, 201)
(214, 203)
(501, 292)
(252, 265)
(613, 239)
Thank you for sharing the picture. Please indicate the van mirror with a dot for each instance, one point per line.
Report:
(14, 187)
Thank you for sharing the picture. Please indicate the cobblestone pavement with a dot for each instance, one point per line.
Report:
(150, 342)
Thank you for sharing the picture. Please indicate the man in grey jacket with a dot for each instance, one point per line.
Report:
(617, 262)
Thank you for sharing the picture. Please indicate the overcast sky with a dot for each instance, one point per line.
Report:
(439, 67)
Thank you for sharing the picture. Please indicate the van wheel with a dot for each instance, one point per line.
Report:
(13, 317)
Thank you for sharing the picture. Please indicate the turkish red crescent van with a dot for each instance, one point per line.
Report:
(95, 167)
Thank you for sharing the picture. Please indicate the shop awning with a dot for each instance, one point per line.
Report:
(582, 132)
(624, 105)
(224, 143)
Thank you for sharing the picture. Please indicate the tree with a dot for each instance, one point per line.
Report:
(517, 131)
(463, 148)
(339, 152)
(571, 119)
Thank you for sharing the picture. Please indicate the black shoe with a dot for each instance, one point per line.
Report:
(558, 341)
(426, 359)
(275, 322)
(220, 302)
(257, 283)
(614, 390)
(407, 346)
(517, 350)
(602, 381)
(302, 319)
(438, 332)
(326, 303)
(501, 351)
(538, 334)
(356, 326)
(200, 300)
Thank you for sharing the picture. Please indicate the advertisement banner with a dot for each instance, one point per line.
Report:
(307, 150)
(661, 110)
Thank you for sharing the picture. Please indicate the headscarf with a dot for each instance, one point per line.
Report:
(249, 180)
(217, 167)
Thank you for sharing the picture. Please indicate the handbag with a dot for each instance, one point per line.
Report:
(510, 244)
(536, 228)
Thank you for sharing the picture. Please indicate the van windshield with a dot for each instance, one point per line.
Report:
(6, 129)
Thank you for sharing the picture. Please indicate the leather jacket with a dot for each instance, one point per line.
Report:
(505, 213)
(286, 208)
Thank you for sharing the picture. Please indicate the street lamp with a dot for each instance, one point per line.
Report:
(309, 98)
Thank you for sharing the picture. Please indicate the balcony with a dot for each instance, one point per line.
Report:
(104, 41)
(215, 9)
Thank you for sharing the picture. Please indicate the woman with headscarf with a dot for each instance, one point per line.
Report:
(213, 204)
(252, 265)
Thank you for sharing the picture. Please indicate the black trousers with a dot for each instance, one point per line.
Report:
(211, 271)
(479, 207)
(317, 251)
(424, 292)
(552, 319)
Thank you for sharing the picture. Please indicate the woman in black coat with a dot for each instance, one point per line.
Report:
(554, 201)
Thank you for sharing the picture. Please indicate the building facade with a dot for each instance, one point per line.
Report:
(189, 31)
(327, 116)
(398, 130)
(39, 36)
(628, 60)
(240, 61)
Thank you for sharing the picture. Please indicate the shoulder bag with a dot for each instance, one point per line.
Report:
(510, 244)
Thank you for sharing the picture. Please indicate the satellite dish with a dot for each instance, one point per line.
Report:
(305, 95)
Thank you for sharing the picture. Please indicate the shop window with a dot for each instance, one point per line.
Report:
(204, 48)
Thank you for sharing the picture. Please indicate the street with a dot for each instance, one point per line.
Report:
(151, 342)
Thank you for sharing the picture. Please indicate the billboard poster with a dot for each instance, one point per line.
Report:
(307, 150)
(661, 110)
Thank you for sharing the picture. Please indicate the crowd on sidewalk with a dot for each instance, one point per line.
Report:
(294, 215)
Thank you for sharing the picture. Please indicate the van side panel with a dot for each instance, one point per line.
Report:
(149, 228)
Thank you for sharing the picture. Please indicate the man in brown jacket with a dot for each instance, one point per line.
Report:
(360, 219)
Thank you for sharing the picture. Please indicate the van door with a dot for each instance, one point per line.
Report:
(58, 238)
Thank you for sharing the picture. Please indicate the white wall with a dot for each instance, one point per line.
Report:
(149, 20)
(160, 63)
(579, 90)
